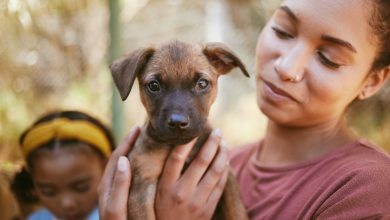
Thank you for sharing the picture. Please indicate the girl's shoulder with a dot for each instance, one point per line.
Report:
(41, 214)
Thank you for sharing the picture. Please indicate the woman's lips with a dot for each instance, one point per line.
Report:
(276, 94)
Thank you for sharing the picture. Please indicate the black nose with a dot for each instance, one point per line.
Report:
(178, 121)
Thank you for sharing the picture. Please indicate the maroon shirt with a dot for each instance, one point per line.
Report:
(352, 182)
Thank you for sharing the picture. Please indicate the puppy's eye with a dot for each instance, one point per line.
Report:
(203, 84)
(154, 86)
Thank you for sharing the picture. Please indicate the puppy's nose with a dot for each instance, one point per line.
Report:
(178, 121)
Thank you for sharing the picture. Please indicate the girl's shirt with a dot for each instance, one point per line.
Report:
(352, 182)
(44, 214)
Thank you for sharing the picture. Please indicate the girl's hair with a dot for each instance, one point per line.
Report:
(380, 23)
(22, 184)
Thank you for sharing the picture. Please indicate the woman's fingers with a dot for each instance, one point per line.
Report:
(116, 203)
(115, 183)
(122, 150)
(194, 194)
(213, 176)
(216, 194)
(175, 162)
(202, 160)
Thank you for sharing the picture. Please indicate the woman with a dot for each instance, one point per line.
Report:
(65, 154)
(314, 58)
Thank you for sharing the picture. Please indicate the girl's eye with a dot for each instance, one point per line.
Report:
(282, 34)
(327, 62)
(47, 192)
(202, 84)
(154, 86)
(81, 188)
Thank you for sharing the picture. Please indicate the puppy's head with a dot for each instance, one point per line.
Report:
(178, 84)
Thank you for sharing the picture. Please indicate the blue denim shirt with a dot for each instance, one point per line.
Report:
(44, 214)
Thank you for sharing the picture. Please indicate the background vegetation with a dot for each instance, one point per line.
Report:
(54, 54)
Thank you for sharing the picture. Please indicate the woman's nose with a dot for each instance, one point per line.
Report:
(291, 64)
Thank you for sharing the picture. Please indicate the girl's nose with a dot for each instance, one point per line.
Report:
(291, 64)
(68, 202)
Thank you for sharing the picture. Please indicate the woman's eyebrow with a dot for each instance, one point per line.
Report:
(338, 42)
(289, 13)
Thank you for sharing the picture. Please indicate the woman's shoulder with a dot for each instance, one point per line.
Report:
(241, 154)
(244, 150)
(358, 184)
(369, 155)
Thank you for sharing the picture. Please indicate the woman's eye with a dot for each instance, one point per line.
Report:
(203, 84)
(282, 34)
(154, 86)
(327, 62)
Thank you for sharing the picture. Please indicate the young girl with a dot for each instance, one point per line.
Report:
(314, 58)
(65, 155)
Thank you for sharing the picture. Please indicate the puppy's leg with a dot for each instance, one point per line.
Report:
(146, 166)
(141, 200)
(230, 206)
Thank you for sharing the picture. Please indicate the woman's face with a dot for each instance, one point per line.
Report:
(66, 181)
(313, 58)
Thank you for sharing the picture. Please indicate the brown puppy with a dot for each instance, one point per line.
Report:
(178, 84)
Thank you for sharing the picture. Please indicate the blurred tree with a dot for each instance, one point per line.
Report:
(53, 54)
(117, 118)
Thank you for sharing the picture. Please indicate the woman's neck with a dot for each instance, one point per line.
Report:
(284, 145)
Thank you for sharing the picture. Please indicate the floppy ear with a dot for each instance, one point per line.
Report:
(125, 70)
(374, 83)
(222, 58)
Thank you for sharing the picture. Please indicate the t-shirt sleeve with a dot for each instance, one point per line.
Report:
(366, 195)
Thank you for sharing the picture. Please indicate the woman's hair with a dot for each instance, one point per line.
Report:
(22, 184)
(380, 23)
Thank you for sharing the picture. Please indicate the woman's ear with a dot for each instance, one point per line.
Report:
(374, 82)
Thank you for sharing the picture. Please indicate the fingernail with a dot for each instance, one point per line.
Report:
(223, 143)
(122, 164)
(133, 129)
(217, 132)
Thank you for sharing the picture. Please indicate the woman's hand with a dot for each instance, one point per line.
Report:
(115, 184)
(194, 194)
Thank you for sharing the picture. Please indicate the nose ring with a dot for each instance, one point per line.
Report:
(295, 79)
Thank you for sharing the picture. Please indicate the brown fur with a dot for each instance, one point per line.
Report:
(177, 113)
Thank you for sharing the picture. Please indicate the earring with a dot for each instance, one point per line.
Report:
(362, 95)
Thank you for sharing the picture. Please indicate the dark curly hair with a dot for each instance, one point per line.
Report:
(380, 23)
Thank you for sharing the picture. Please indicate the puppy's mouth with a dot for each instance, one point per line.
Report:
(166, 136)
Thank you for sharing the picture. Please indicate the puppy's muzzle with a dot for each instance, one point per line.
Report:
(177, 121)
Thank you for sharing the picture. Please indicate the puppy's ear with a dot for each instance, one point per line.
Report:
(222, 58)
(125, 70)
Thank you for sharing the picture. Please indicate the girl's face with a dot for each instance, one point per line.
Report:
(313, 58)
(66, 181)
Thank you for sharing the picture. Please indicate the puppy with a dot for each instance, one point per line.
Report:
(178, 84)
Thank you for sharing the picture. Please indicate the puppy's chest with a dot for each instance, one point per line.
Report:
(147, 160)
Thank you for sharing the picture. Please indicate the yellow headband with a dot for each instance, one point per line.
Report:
(65, 129)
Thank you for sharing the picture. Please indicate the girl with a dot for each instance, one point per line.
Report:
(314, 58)
(65, 155)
